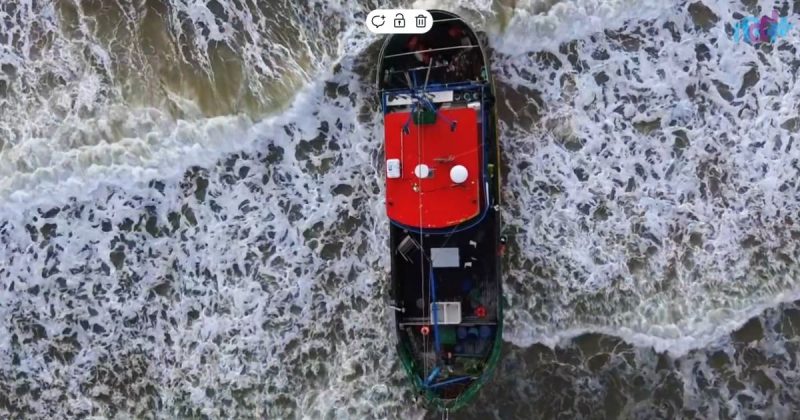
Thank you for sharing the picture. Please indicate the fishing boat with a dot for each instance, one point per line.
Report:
(443, 204)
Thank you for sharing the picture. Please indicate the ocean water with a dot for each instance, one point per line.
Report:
(192, 220)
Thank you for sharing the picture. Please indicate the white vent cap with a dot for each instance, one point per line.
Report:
(458, 174)
(422, 171)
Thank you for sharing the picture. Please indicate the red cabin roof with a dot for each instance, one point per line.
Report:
(435, 201)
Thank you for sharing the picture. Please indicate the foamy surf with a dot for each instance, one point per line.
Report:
(217, 246)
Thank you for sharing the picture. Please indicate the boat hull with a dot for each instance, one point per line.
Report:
(447, 362)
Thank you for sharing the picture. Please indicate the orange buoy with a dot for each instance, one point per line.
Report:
(480, 312)
(425, 330)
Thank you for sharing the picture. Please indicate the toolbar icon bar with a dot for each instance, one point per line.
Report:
(399, 21)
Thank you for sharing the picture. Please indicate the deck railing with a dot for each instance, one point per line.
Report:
(458, 47)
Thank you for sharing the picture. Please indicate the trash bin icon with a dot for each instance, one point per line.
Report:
(421, 20)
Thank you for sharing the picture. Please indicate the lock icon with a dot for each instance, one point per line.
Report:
(399, 21)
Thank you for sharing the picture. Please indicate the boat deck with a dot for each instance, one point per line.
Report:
(473, 284)
(438, 57)
(434, 201)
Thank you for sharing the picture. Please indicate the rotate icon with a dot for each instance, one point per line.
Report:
(378, 20)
